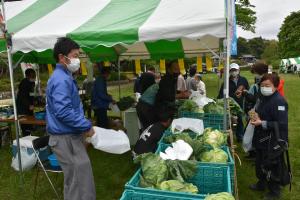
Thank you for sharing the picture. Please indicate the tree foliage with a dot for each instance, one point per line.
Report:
(243, 46)
(257, 46)
(289, 36)
(245, 15)
(271, 53)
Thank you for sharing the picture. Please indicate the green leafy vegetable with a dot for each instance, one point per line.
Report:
(235, 108)
(189, 105)
(213, 108)
(214, 156)
(178, 136)
(220, 196)
(154, 169)
(181, 169)
(215, 138)
(177, 186)
(125, 103)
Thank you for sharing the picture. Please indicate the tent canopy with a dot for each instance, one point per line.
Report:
(112, 29)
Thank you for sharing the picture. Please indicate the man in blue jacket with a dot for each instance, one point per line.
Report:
(100, 98)
(67, 124)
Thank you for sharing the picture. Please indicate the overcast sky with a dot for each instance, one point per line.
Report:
(270, 15)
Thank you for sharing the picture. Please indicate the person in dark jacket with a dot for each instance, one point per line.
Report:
(25, 101)
(147, 79)
(166, 94)
(237, 84)
(270, 138)
(150, 137)
(100, 98)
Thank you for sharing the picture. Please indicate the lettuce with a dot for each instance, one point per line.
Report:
(214, 156)
(220, 196)
(177, 186)
(214, 138)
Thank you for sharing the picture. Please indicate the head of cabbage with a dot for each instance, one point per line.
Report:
(214, 156)
(220, 196)
(215, 138)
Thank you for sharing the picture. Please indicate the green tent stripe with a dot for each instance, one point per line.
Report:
(31, 14)
(113, 27)
(2, 45)
(101, 53)
(44, 57)
(164, 49)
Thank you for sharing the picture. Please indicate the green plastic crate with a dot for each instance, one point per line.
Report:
(209, 179)
(209, 120)
(162, 147)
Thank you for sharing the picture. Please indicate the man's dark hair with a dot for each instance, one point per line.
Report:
(104, 70)
(165, 113)
(152, 69)
(64, 46)
(193, 71)
(170, 64)
(259, 68)
(29, 72)
(274, 78)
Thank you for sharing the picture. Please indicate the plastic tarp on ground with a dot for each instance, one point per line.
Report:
(112, 29)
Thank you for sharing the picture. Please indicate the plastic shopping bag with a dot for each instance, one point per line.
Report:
(28, 161)
(181, 124)
(180, 150)
(110, 141)
(248, 136)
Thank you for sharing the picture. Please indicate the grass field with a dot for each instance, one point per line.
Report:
(111, 172)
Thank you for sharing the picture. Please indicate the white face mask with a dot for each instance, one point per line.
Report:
(266, 91)
(74, 64)
(234, 74)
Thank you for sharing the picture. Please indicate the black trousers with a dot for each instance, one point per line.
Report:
(146, 114)
(26, 129)
(102, 119)
(273, 182)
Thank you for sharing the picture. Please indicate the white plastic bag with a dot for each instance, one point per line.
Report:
(110, 141)
(248, 136)
(180, 150)
(181, 124)
(114, 108)
(28, 161)
(201, 101)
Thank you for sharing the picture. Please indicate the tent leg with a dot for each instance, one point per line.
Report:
(119, 77)
(10, 65)
(15, 110)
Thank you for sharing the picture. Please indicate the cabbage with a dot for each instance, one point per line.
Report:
(214, 156)
(220, 196)
(154, 169)
(177, 186)
(215, 138)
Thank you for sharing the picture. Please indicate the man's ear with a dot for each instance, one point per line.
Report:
(61, 58)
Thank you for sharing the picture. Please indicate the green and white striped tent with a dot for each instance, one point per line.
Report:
(294, 61)
(116, 29)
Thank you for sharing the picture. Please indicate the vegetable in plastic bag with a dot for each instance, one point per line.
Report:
(214, 156)
(125, 103)
(220, 196)
(177, 186)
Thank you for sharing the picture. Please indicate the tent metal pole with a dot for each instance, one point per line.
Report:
(119, 77)
(10, 65)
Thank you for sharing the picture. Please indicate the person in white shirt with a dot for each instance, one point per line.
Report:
(200, 85)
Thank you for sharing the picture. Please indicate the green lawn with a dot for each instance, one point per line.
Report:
(111, 172)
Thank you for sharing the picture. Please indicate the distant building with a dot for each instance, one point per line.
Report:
(248, 58)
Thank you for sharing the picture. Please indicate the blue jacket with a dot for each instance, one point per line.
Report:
(100, 98)
(64, 109)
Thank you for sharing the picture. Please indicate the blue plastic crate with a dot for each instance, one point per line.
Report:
(162, 147)
(209, 120)
(209, 179)
(138, 195)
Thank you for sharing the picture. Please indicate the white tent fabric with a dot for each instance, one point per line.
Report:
(127, 29)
